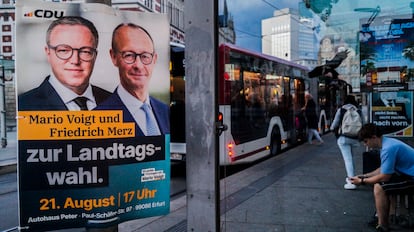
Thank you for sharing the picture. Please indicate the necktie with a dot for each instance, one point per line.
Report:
(81, 102)
(150, 121)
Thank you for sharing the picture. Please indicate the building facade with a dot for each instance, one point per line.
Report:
(7, 21)
(173, 8)
(287, 36)
(226, 30)
(7, 57)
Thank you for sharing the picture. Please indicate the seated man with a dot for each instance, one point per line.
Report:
(396, 173)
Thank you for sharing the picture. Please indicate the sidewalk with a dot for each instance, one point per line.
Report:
(8, 154)
(299, 190)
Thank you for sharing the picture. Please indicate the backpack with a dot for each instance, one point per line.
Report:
(351, 122)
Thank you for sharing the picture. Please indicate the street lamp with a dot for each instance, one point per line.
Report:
(3, 109)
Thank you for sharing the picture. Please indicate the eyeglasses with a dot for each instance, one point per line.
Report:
(65, 52)
(131, 57)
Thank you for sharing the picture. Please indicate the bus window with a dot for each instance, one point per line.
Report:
(177, 93)
(257, 98)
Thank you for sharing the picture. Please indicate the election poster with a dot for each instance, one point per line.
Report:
(392, 112)
(93, 116)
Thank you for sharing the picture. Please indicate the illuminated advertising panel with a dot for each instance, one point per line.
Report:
(392, 112)
(386, 52)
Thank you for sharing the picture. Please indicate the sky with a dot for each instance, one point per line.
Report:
(248, 15)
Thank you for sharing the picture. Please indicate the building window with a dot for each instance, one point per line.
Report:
(6, 38)
(6, 16)
(163, 6)
(7, 49)
(177, 17)
(148, 3)
(6, 28)
(169, 12)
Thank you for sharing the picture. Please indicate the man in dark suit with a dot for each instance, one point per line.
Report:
(134, 54)
(71, 53)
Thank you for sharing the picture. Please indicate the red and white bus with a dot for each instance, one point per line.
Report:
(260, 97)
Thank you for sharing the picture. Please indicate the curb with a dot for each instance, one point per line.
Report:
(9, 168)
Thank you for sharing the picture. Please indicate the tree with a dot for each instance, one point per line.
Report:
(408, 51)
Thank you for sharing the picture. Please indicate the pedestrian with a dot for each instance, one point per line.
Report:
(395, 175)
(346, 143)
(311, 119)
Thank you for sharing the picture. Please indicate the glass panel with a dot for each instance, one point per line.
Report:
(358, 47)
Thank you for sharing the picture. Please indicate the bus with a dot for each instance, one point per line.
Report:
(177, 102)
(260, 99)
(331, 96)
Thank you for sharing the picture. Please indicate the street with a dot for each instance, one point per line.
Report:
(9, 201)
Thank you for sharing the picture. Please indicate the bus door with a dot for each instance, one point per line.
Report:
(298, 128)
(248, 108)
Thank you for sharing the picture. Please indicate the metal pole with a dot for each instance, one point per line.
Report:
(3, 110)
(203, 211)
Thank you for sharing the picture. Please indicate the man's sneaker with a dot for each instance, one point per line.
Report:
(348, 185)
(381, 228)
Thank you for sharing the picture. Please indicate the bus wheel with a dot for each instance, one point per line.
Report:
(275, 138)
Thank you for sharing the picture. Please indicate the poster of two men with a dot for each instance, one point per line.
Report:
(93, 116)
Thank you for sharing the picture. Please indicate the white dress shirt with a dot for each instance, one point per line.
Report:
(67, 95)
(134, 107)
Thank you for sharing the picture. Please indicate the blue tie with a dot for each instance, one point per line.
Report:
(151, 124)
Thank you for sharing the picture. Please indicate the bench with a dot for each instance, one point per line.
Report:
(403, 209)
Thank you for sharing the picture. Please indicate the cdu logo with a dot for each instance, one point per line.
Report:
(48, 14)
